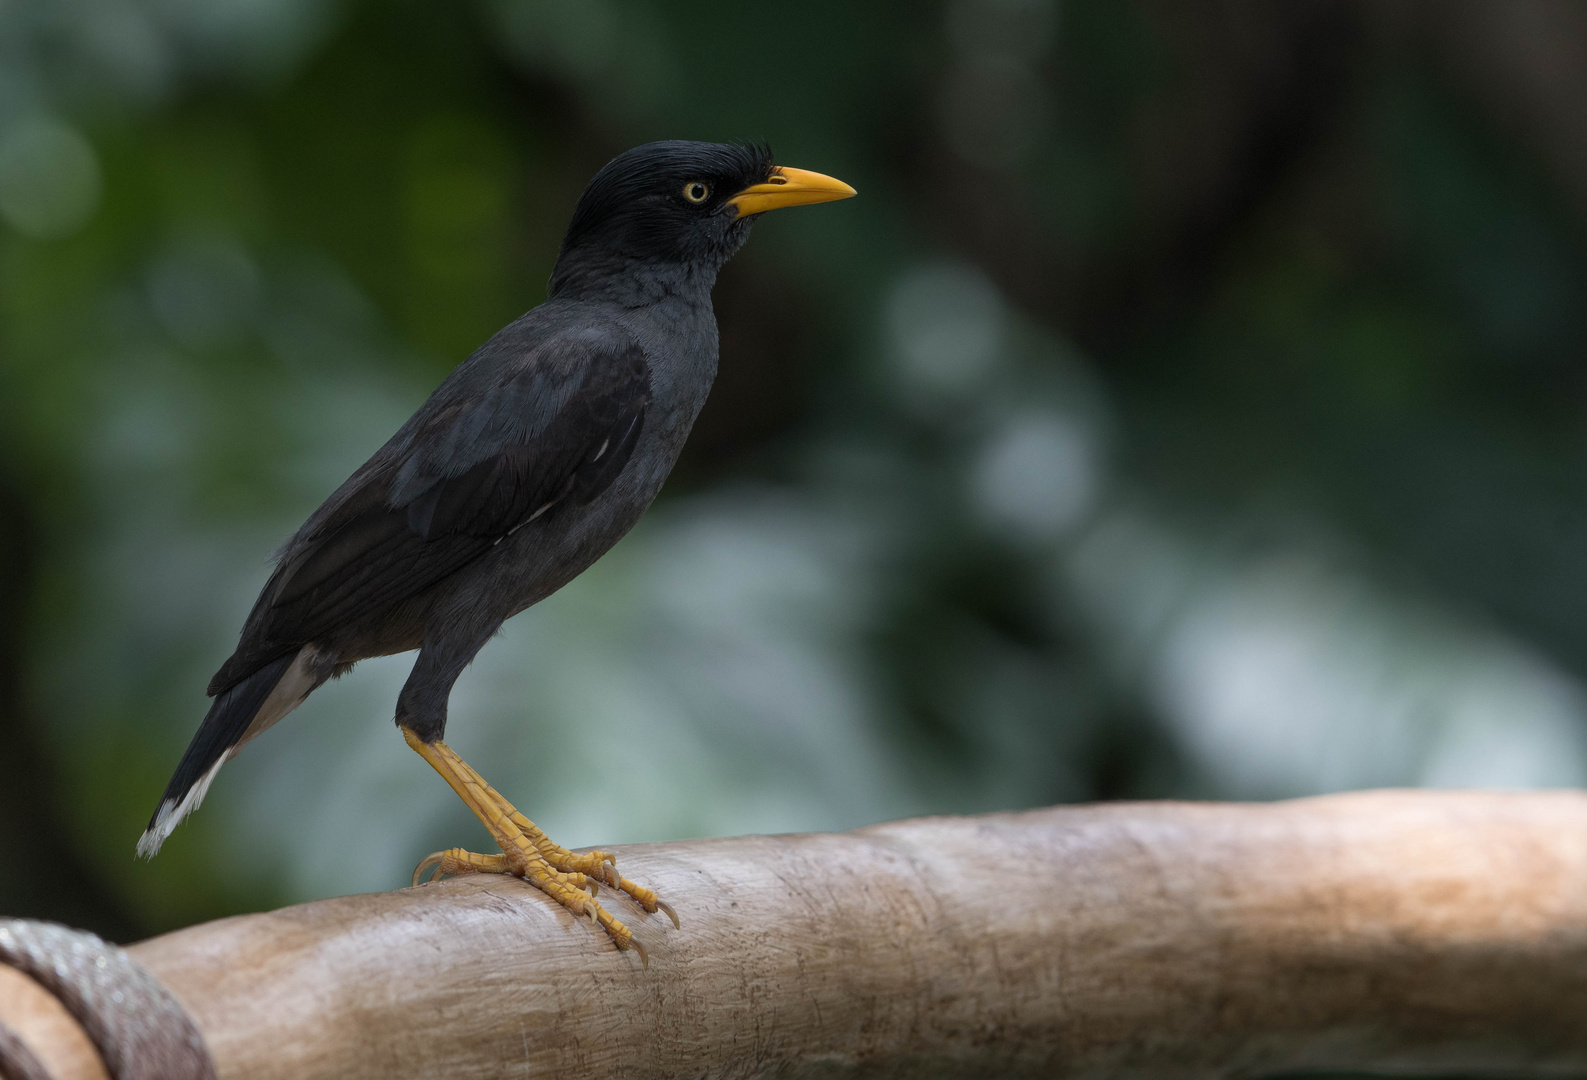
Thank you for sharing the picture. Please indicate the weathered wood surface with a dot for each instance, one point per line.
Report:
(1403, 931)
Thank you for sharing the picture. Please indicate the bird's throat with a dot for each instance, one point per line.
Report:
(630, 282)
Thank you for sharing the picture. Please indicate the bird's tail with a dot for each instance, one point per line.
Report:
(238, 714)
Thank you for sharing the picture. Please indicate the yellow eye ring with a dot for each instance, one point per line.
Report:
(696, 192)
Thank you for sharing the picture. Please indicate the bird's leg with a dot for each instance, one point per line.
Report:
(526, 851)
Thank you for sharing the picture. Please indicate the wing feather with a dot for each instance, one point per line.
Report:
(421, 516)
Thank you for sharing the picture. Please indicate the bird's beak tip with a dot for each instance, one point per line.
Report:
(790, 187)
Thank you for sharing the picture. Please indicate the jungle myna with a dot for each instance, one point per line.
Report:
(527, 463)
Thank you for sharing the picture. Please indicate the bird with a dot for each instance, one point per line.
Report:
(527, 463)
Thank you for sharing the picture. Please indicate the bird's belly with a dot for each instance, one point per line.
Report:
(386, 632)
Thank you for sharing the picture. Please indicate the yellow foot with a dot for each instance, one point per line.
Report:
(529, 853)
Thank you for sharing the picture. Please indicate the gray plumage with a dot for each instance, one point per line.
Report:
(536, 455)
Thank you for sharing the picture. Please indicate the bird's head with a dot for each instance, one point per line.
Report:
(679, 204)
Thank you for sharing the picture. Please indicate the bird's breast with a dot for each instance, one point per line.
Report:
(680, 346)
(679, 340)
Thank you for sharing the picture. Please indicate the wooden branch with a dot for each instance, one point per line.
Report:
(1404, 931)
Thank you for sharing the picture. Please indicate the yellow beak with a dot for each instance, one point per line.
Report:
(789, 187)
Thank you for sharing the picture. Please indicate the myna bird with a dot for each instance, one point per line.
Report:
(528, 462)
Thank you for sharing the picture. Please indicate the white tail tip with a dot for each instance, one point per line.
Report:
(172, 812)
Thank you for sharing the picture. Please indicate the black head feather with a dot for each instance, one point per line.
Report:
(637, 211)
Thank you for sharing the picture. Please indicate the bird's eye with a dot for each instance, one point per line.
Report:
(696, 192)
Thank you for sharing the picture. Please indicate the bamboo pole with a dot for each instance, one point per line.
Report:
(1407, 931)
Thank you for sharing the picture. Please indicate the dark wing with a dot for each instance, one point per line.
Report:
(470, 476)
